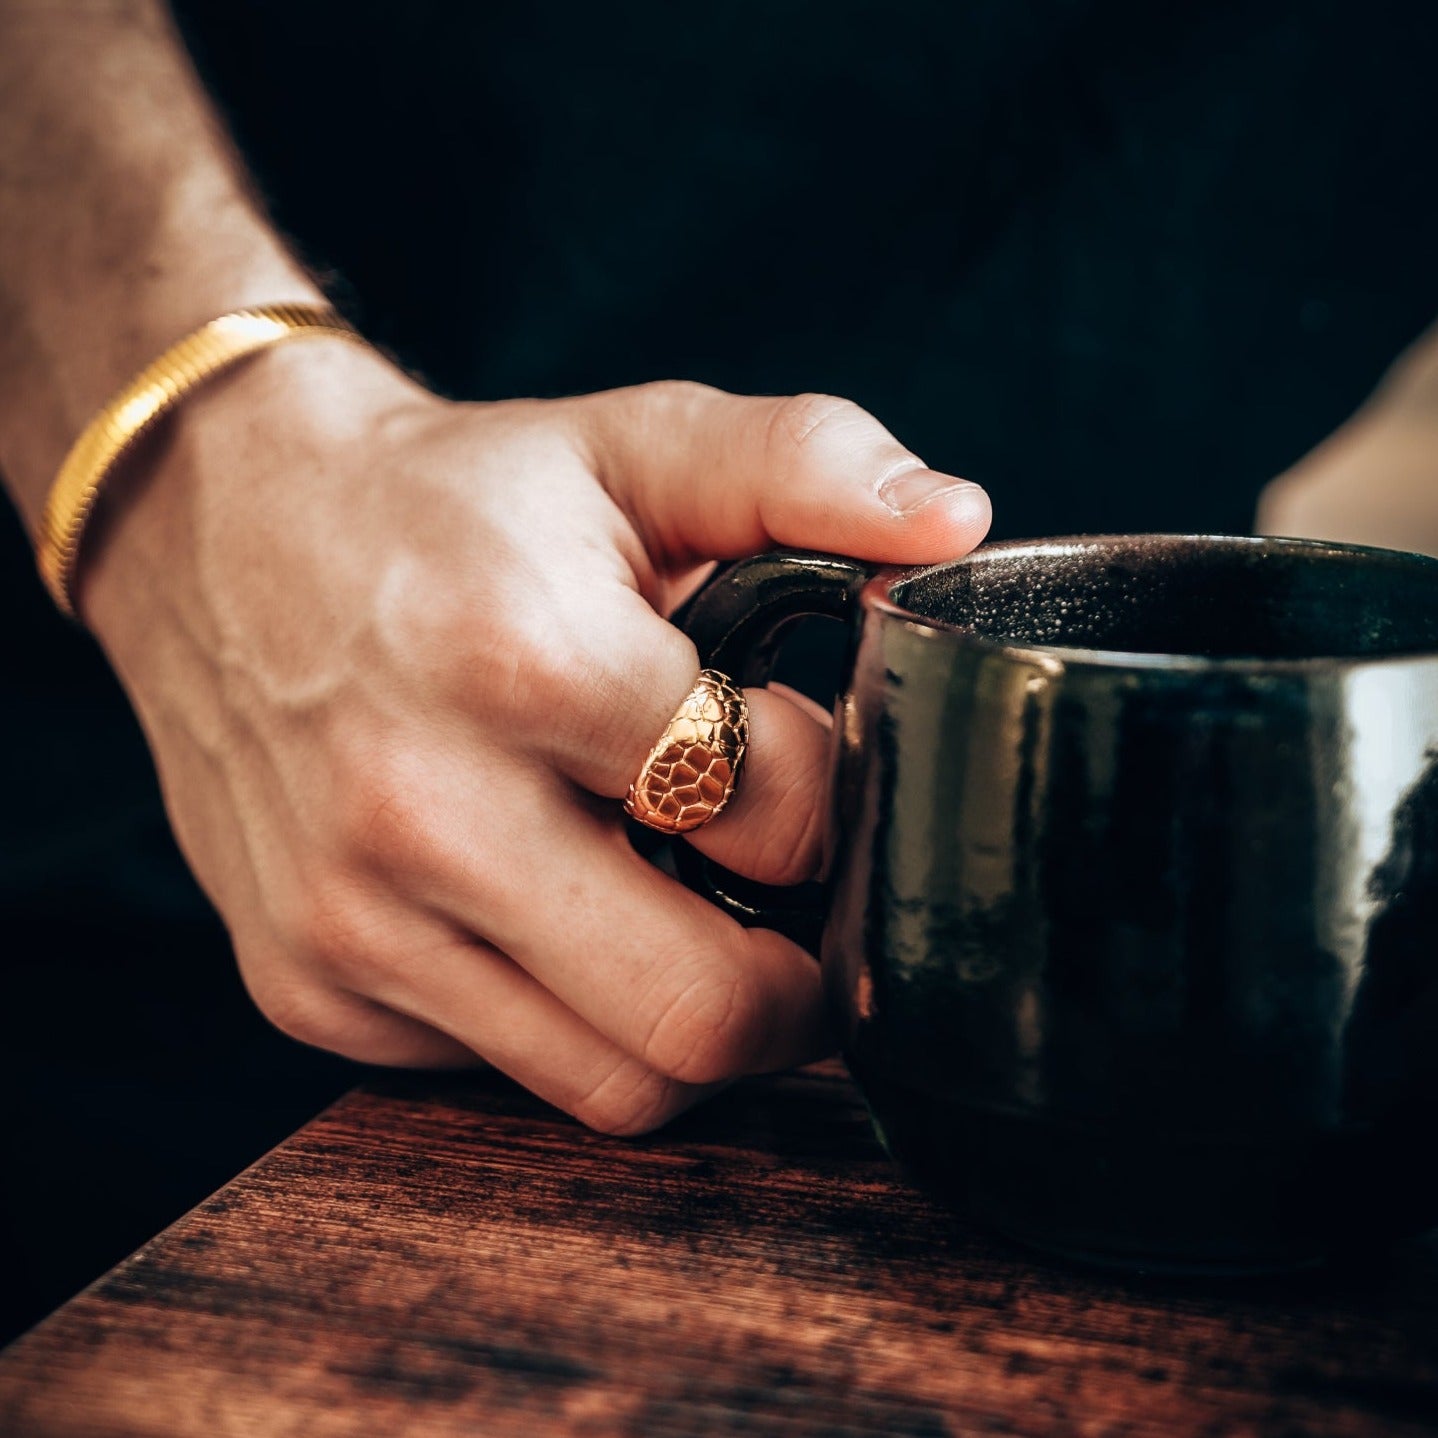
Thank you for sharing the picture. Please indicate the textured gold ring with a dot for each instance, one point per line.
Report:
(691, 772)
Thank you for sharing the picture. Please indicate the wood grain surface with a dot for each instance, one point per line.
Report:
(447, 1256)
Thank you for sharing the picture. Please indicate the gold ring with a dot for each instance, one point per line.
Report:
(691, 772)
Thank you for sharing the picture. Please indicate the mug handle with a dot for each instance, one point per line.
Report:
(737, 619)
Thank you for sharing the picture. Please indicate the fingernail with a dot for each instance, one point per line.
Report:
(909, 489)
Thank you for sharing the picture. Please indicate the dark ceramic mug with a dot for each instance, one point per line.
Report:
(1131, 922)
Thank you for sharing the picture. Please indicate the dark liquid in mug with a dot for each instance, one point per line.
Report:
(1153, 594)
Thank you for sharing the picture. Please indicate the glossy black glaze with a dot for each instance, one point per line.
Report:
(1133, 939)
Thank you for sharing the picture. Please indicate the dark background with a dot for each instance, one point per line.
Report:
(1119, 261)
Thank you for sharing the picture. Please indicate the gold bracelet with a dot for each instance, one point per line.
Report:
(154, 391)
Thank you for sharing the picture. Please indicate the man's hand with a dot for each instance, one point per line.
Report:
(1375, 479)
(398, 661)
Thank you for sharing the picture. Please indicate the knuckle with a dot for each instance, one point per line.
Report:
(300, 1011)
(535, 670)
(553, 670)
(333, 925)
(703, 1031)
(432, 615)
(802, 423)
(630, 1099)
(667, 399)
(569, 692)
(384, 812)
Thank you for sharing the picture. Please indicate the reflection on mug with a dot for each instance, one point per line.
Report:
(1391, 1046)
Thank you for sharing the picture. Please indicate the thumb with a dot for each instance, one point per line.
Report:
(705, 474)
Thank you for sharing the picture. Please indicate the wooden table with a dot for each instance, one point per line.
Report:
(446, 1256)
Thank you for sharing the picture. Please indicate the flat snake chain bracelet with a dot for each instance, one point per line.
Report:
(135, 409)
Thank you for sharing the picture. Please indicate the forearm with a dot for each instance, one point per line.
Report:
(127, 221)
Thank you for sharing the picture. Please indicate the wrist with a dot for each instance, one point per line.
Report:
(233, 454)
(67, 358)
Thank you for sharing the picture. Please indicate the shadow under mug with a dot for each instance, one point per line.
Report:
(1130, 928)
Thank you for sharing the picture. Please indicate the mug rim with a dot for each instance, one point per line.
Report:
(877, 596)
